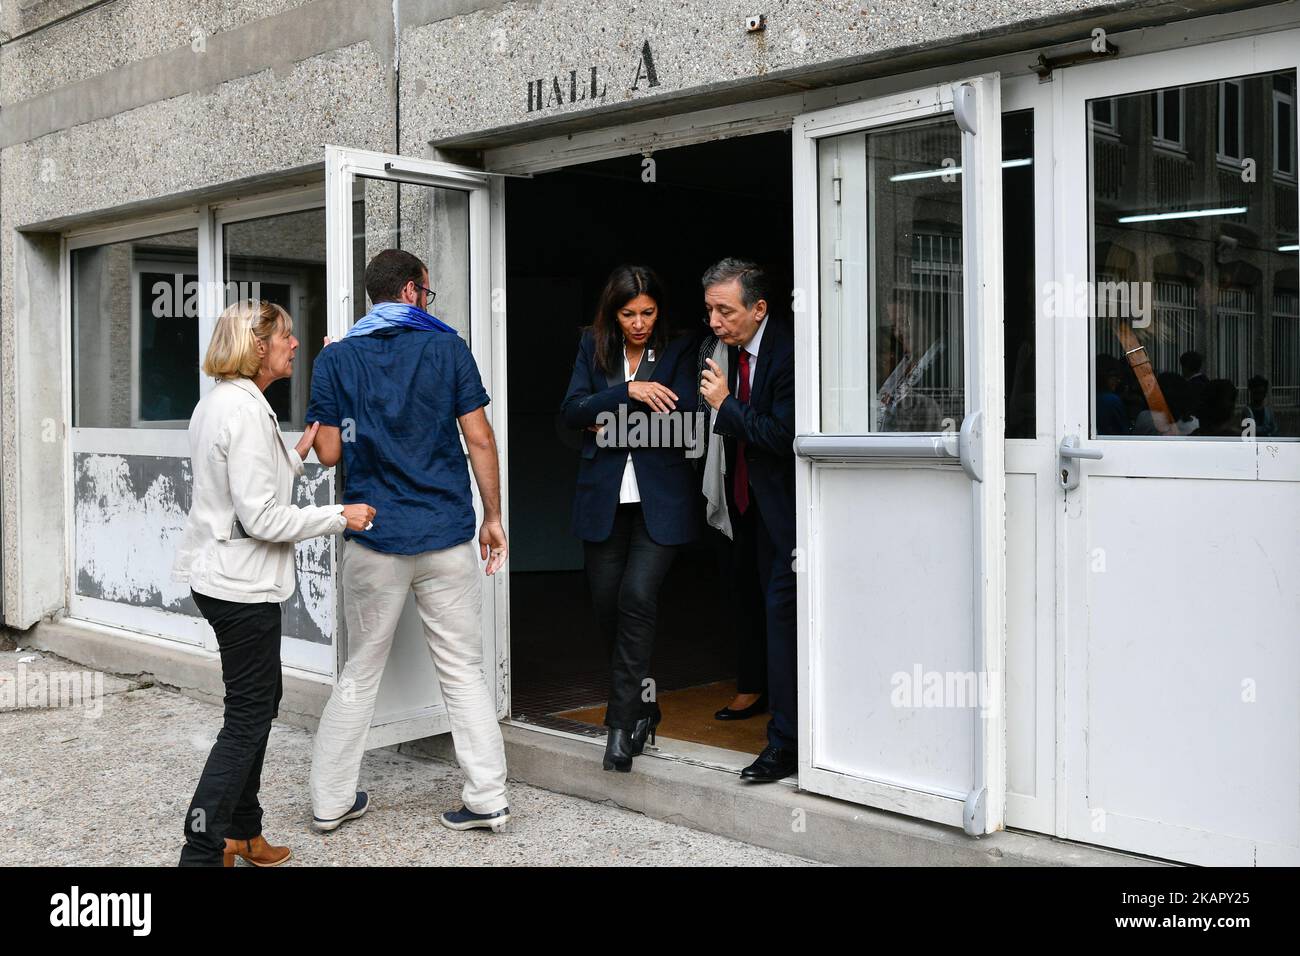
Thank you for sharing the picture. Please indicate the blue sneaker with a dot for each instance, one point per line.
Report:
(463, 819)
(359, 808)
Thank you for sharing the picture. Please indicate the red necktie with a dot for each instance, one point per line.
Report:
(741, 487)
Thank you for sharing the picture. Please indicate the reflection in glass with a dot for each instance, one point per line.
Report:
(891, 223)
(1019, 284)
(282, 259)
(431, 222)
(135, 329)
(1194, 316)
(892, 278)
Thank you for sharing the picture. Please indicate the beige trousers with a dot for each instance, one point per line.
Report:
(448, 591)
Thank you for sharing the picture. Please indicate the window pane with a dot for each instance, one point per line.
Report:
(1102, 114)
(1194, 278)
(282, 259)
(1019, 284)
(432, 223)
(135, 354)
(892, 327)
(1173, 116)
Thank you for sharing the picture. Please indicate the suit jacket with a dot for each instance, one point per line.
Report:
(667, 483)
(766, 424)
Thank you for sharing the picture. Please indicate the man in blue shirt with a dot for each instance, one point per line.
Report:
(389, 397)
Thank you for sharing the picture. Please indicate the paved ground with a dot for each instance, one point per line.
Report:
(107, 781)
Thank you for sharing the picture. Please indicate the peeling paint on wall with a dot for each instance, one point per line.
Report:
(309, 614)
(130, 514)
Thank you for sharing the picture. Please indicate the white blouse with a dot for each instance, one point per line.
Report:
(628, 492)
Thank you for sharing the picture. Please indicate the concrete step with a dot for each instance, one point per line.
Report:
(700, 787)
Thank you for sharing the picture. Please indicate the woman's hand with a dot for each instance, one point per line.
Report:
(303, 448)
(659, 397)
(359, 516)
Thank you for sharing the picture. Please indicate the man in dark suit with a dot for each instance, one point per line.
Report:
(755, 416)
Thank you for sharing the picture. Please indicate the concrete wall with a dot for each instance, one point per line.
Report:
(131, 107)
(117, 108)
(466, 79)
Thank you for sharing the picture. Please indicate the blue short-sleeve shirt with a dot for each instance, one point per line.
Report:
(395, 396)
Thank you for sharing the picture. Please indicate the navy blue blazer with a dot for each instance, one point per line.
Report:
(766, 424)
(668, 485)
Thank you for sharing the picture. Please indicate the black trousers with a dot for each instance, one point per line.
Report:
(625, 572)
(225, 801)
(776, 576)
(738, 564)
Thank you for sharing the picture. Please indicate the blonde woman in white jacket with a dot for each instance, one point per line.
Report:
(237, 555)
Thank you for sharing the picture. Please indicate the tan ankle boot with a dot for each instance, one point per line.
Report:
(256, 851)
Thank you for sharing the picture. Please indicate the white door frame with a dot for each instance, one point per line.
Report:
(1033, 658)
(982, 808)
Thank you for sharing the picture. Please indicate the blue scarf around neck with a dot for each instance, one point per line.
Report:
(392, 315)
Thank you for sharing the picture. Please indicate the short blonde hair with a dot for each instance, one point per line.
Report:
(232, 353)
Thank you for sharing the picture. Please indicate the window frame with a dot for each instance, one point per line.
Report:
(1280, 99)
(1158, 139)
(1221, 156)
(168, 627)
(305, 199)
(105, 236)
(209, 221)
(1111, 128)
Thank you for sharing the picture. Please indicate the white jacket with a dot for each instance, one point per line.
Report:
(243, 470)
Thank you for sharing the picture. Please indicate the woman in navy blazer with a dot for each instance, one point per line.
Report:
(636, 499)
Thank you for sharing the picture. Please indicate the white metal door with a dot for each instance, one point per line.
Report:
(1180, 553)
(900, 477)
(439, 212)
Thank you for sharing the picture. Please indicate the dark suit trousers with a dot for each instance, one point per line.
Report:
(625, 572)
(746, 618)
(776, 576)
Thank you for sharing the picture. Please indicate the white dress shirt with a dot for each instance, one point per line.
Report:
(628, 492)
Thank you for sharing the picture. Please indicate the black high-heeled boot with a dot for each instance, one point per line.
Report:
(645, 727)
(618, 750)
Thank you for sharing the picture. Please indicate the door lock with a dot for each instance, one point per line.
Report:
(1070, 455)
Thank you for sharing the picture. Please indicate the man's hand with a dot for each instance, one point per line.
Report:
(492, 546)
(359, 516)
(303, 448)
(713, 384)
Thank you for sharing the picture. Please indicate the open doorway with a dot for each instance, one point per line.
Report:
(566, 230)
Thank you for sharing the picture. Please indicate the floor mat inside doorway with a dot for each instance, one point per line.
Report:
(688, 715)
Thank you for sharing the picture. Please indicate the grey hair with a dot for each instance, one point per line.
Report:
(753, 280)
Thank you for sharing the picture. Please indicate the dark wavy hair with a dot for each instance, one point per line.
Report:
(625, 283)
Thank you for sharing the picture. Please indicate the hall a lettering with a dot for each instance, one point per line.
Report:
(577, 87)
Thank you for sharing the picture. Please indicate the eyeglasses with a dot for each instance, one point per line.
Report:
(427, 291)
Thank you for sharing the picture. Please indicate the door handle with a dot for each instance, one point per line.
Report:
(1070, 455)
(970, 446)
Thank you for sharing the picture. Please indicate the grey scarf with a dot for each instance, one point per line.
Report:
(715, 461)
